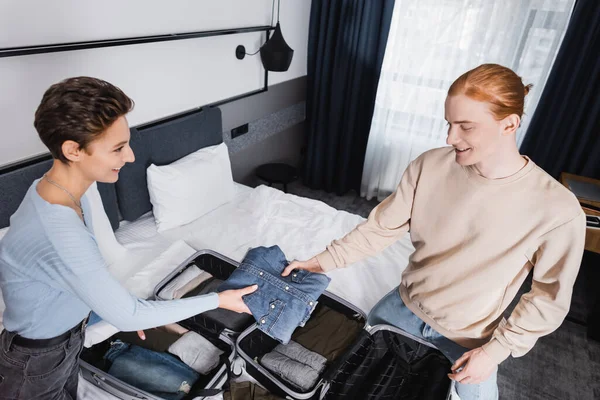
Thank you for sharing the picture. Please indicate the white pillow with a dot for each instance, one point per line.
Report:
(109, 247)
(190, 187)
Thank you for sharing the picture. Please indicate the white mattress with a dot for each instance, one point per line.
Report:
(256, 217)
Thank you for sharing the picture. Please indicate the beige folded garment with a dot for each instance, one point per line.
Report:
(186, 281)
(191, 285)
(174, 328)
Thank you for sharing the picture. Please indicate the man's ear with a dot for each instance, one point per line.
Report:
(510, 124)
(71, 150)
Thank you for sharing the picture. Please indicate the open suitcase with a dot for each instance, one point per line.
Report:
(370, 367)
(94, 368)
(371, 362)
(367, 365)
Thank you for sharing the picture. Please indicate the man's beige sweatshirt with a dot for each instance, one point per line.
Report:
(476, 240)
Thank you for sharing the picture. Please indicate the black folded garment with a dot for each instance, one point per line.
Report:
(215, 320)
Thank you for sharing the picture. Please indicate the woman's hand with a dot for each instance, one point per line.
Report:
(232, 299)
(311, 265)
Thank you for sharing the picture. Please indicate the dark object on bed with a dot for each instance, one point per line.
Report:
(277, 173)
(162, 144)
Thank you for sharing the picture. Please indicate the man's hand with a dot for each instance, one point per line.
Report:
(311, 265)
(142, 335)
(232, 299)
(477, 367)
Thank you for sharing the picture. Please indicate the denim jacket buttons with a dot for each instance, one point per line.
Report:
(280, 304)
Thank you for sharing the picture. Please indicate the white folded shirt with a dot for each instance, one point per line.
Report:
(197, 352)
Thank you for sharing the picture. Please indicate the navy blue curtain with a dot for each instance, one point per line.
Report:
(564, 134)
(346, 44)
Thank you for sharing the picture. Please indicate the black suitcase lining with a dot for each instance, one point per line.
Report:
(372, 369)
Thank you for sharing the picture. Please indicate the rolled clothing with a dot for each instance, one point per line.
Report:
(189, 279)
(299, 353)
(299, 374)
(197, 352)
(160, 374)
(328, 332)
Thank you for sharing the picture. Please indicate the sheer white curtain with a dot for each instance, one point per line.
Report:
(433, 42)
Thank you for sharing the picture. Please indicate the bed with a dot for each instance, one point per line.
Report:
(260, 216)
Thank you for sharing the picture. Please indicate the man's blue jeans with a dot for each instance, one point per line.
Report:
(391, 310)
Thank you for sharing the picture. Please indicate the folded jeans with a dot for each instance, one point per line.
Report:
(158, 373)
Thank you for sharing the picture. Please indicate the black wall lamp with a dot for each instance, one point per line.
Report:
(276, 55)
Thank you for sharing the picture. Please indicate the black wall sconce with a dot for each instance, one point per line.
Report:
(276, 55)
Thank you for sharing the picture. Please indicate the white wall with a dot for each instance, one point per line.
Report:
(162, 78)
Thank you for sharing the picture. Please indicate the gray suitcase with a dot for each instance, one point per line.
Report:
(93, 367)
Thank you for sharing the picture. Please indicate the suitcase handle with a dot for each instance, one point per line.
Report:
(107, 386)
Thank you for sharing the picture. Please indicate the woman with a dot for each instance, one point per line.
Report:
(51, 271)
(480, 216)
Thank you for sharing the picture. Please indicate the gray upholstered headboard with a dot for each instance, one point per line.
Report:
(159, 143)
(17, 178)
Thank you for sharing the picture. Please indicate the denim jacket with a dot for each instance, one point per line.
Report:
(280, 304)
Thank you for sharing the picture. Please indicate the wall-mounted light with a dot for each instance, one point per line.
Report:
(276, 55)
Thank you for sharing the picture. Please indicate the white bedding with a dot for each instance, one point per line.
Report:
(265, 216)
(256, 217)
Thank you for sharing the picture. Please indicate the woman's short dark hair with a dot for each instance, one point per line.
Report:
(78, 109)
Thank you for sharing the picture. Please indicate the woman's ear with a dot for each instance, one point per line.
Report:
(71, 150)
(510, 124)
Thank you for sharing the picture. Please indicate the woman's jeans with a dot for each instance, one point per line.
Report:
(391, 310)
(40, 374)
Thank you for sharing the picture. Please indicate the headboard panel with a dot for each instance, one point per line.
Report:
(162, 144)
(159, 143)
(16, 179)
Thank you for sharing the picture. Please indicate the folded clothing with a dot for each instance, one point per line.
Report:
(160, 374)
(231, 320)
(328, 332)
(297, 352)
(281, 303)
(295, 364)
(189, 279)
(174, 328)
(197, 352)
